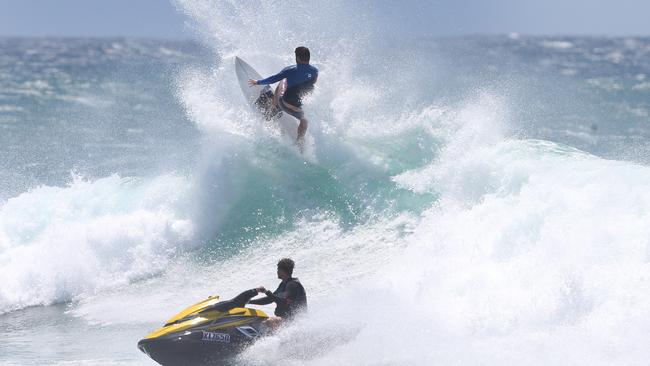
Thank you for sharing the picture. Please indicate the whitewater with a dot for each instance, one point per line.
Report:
(476, 200)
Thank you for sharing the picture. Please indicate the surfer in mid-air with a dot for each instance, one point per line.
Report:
(297, 81)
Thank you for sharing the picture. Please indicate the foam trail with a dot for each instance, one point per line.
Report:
(316, 244)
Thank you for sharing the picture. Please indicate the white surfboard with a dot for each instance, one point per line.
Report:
(259, 98)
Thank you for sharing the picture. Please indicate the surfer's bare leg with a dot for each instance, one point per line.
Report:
(279, 91)
(302, 130)
(275, 96)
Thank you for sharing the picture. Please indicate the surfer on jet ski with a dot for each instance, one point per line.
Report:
(290, 297)
(297, 81)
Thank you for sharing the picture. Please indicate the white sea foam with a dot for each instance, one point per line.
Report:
(542, 260)
(560, 45)
(535, 254)
(59, 242)
(10, 108)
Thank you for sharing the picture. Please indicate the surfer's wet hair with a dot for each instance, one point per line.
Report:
(286, 264)
(302, 54)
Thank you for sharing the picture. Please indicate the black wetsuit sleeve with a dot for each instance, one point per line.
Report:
(241, 299)
(261, 301)
(286, 297)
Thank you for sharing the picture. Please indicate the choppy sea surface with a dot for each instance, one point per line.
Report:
(477, 200)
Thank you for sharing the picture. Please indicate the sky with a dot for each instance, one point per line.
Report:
(91, 18)
(160, 19)
(542, 17)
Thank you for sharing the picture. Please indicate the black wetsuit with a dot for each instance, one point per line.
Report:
(290, 298)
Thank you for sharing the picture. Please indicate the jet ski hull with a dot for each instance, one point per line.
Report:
(197, 347)
(205, 333)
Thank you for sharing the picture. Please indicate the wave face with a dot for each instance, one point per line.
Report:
(473, 200)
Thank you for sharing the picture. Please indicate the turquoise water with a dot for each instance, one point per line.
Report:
(471, 200)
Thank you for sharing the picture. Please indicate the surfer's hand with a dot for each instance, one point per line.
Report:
(252, 82)
(260, 289)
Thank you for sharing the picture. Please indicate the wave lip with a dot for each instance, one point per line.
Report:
(57, 243)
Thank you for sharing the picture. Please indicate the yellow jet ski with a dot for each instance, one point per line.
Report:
(205, 333)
